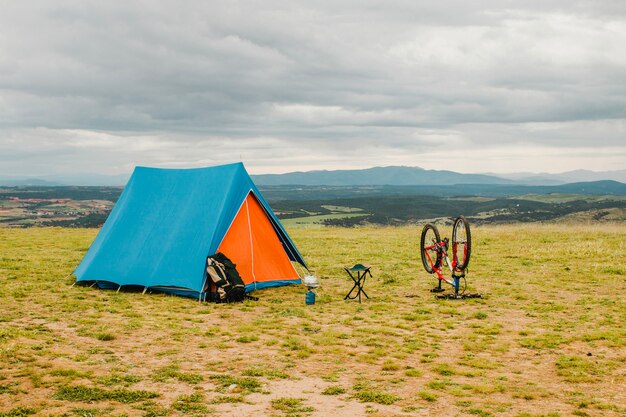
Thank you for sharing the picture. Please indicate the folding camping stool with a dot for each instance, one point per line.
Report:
(359, 281)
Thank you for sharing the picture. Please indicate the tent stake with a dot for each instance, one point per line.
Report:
(144, 290)
(119, 288)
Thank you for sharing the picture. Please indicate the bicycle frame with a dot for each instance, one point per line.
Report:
(442, 248)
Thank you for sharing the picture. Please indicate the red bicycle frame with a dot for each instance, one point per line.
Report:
(442, 253)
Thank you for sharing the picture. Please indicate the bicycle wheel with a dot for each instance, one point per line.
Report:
(461, 242)
(431, 255)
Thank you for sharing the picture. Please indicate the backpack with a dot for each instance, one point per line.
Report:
(225, 278)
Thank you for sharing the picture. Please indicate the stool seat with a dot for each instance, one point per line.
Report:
(359, 281)
(358, 267)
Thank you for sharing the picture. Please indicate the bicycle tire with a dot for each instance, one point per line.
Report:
(461, 242)
(430, 236)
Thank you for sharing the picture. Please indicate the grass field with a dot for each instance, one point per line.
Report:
(548, 338)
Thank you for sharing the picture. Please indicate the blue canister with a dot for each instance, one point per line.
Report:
(310, 297)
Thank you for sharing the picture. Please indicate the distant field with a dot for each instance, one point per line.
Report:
(410, 209)
(547, 339)
(56, 206)
(342, 206)
(322, 218)
(342, 209)
(566, 198)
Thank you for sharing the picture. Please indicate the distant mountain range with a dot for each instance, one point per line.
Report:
(401, 176)
(377, 176)
(27, 182)
(63, 180)
(330, 192)
(580, 175)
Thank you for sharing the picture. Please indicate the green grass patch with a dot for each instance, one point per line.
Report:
(105, 336)
(191, 404)
(414, 373)
(548, 340)
(261, 371)
(428, 396)
(578, 369)
(371, 395)
(389, 365)
(246, 383)
(118, 379)
(247, 338)
(291, 406)
(479, 412)
(334, 390)
(70, 373)
(87, 412)
(173, 372)
(8, 388)
(444, 369)
(89, 394)
(228, 399)
(18, 412)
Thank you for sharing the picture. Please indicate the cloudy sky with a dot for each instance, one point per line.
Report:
(481, 86)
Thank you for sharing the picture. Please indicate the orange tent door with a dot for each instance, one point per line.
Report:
(252, 244)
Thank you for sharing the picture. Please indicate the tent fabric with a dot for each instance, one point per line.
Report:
(254, 247)
(167, 221)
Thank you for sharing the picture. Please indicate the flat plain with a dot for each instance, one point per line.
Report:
(548, 338)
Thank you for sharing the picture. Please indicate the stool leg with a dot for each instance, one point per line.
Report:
(364, 293)
(361, 284)
(356, 283)
(348, 296)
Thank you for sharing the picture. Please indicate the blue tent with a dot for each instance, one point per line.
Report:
(167, 221)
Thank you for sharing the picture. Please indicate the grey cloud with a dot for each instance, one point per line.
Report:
(323, 74)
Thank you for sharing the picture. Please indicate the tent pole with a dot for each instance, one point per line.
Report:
(251, 242)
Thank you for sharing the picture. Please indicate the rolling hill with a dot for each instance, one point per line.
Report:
(393, 175)
(416, 176)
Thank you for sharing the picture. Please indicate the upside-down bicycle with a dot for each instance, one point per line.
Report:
(435, 253)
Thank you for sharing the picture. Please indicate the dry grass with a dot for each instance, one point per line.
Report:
(548, 339)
